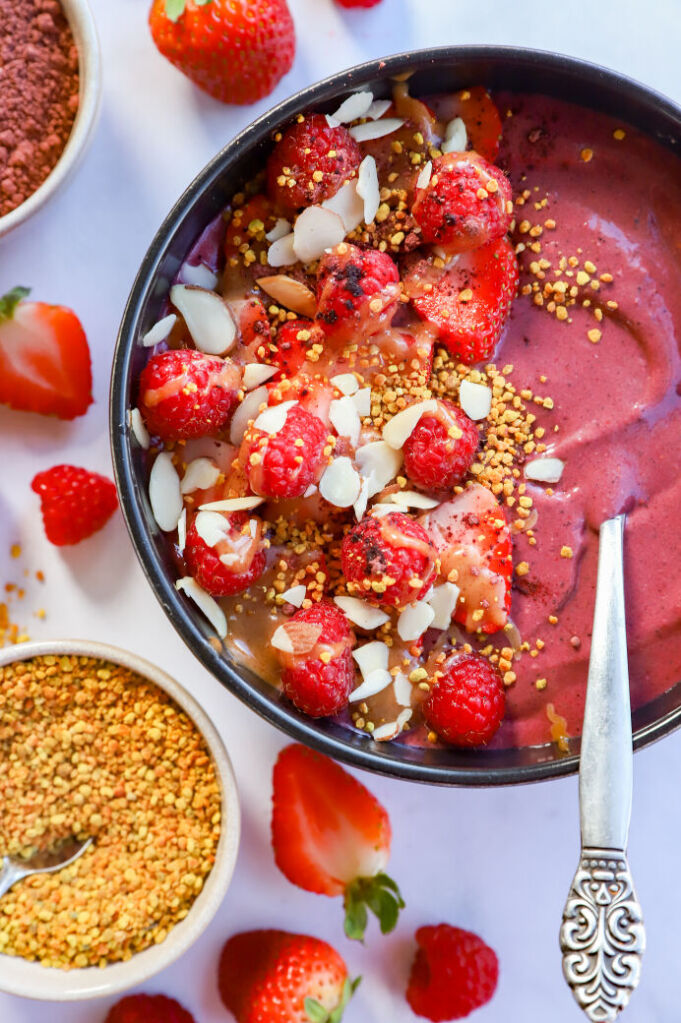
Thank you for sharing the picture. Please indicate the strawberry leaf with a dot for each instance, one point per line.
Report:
(349, 988)
(315, 1011)
(381, 895)
(10, 301)
(174, 8)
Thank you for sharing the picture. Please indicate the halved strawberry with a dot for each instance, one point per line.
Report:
(468, 303)
(475, 548)
(44, 358)
(478, 111)
(332, 837)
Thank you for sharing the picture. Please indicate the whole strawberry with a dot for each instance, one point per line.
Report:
(235, 50)
(277, 977)
(331, 836)
(148, 1009)
(453, 973)
(75, 503)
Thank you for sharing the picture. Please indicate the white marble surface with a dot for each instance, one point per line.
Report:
(497, 861)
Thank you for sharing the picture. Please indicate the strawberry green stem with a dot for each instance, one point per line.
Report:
(10, 301)
(378, 894)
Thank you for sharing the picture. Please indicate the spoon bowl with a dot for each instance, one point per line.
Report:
(43, 861)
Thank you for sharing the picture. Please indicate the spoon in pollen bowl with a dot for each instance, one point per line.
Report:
(602, 937)
(45, 861)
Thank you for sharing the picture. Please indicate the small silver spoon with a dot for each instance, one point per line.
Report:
(602, 937)
(45, 861)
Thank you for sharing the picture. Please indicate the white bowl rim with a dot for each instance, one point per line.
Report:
(82, 23)
(29, 979)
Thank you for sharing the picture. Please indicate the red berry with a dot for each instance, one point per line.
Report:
(235, 50)
(440, 449)
(269, 976)
(307, 149)
(75, 503)
(277, 466)
(148, 1009)
(293, 342)
(358, 3)
(466, 702)
(315, 686)
(187, 394)
(487, 278)
(243, 552)
(464, 205)
(357, 292)
(254, 328)
(453, 973)
(249, 225)
(392, 549)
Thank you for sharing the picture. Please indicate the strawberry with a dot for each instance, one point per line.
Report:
(44, 358)
(332, 837)
(277, 977)
(235, 50)
(75, 503)
(247, 229)
(357, 3)
(292, 345)
(148, 1009)
(474, 544)
(467, 304)
(453, 973)
(478, 111)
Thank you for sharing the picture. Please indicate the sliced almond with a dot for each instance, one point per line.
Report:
(354, 107)
(232, 504)
(273, 418)
(199, 475)
(159, 332)
(361, 613)
(331, 121)
(281, 640)
(544, 470)
(296, 595)
(376, 129)
(412, 499)
(164, 492)
(256, 373)
(347, 204)
(198, 275)
(371, 656)
(360, 505)
(374, 683)
(340, 483)
(316, 229)
(139, 430)
(344, 418)
(246, 411)
(379, 462)
(303, 635)
(475, 399)
(312, 489)
(423, 180)
(281, 252)
(403, 690)
(368, 188)
(182, 531)
(208, 318)
(414, 620)
(456, 137)
(280, 230)
(362, 400)
(396, 432)
(443, 602)
(207, 604)
(378, 108)
(290, 293)
(212, 527)
(379, 510)
(346, 383)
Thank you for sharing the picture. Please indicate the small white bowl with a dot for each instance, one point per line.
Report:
(30, 979)
(82, 24)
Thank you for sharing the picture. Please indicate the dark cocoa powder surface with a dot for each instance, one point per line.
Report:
(38, 94)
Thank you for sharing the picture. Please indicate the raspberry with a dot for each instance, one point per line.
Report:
(187, 394)
(383, 557)
(466, 703)
(357, 291)
(284, 464)
(293, 342)
(464, 204)
(148, 1009)
(310, 163)
(75, 503)
(243, 553)
(312, 685)
(433, 458)
(453, 973)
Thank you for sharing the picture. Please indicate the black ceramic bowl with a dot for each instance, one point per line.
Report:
(447, 68)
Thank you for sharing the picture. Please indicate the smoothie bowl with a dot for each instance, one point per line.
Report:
(387, 365)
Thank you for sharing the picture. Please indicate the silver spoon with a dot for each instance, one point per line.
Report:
(44, 861)
(602, 937)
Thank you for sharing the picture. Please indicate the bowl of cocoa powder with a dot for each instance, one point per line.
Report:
(49, 98)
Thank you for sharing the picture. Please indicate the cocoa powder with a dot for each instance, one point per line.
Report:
(38, 94)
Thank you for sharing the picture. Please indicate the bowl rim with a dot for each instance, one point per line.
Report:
(83, 27)
(284, 717)
(29, 979)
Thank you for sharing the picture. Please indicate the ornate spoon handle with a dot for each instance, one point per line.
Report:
(602, 937)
